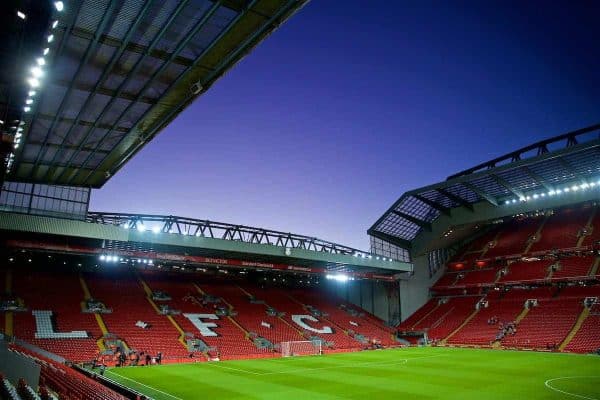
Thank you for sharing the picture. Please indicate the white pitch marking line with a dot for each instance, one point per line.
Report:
(353, 365)
(549, 386)
(140, 383)
(215, 363)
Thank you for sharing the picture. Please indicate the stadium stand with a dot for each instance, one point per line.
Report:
(562, 229)
(125, 295)
(60, 293)
(67, 382)
(347, 319)
(540, 258)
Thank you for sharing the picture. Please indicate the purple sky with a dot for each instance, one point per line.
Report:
(343, 109)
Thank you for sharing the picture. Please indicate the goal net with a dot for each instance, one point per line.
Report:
(301, 348)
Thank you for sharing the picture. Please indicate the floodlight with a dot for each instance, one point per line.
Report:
(36, 72)
(21, 14)
(59, 5)
(28, 101)
(54, 24)
(156, 229)
(40, 61)
(46, 51)
(31, 93)
(50, 38)
(33, 82)
(26, 108)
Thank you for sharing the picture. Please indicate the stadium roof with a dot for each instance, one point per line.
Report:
(179, 239)
(112, 74)
(568, 162)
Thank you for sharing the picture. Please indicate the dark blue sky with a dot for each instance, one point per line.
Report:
(350, 104)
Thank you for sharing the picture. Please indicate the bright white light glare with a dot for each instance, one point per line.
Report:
(50, 38)
(31, 93)
(574, 188)
(21, 14)
(28, 101)
(54, 24)
(102, 257)
(33, 82)
(36, 72)
(141, 227)
(514, 201)
(125, 226)
(156, 229)
(338, 277)
(40, 61)
(46, 51)
(566, 190)
(558, 191)
(535, 196)
(26, 108)
(59, 5)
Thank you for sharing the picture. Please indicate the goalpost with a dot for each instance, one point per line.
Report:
(301, 348)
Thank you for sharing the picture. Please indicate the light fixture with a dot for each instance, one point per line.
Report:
(54, 24)
(31, 93)
(40, 61)
(50, 38)
(28, 101)
(59, 5)
(36, 72)
(21, 14)
(156, 229)
(33, 82)
(46, 51)
(26, 108)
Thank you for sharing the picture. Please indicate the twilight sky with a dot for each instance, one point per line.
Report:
(349, 105)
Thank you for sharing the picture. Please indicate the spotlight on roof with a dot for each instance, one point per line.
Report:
(26, 108)
(40, 61)
(50, 38)
(28, 101)
(46, 51)
(21, 14)
(31, 93)
(59, 5)
(54, 24)
(156, 229)
(33, 82)
(37, 72)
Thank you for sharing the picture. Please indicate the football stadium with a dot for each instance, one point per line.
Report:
(485, 285)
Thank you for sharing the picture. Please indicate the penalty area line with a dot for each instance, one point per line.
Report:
(140, 383)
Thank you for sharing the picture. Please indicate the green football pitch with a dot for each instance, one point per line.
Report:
(413, 373)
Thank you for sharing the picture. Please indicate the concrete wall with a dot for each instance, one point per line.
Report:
(414, 292)
(15, 366)
(372, 296)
